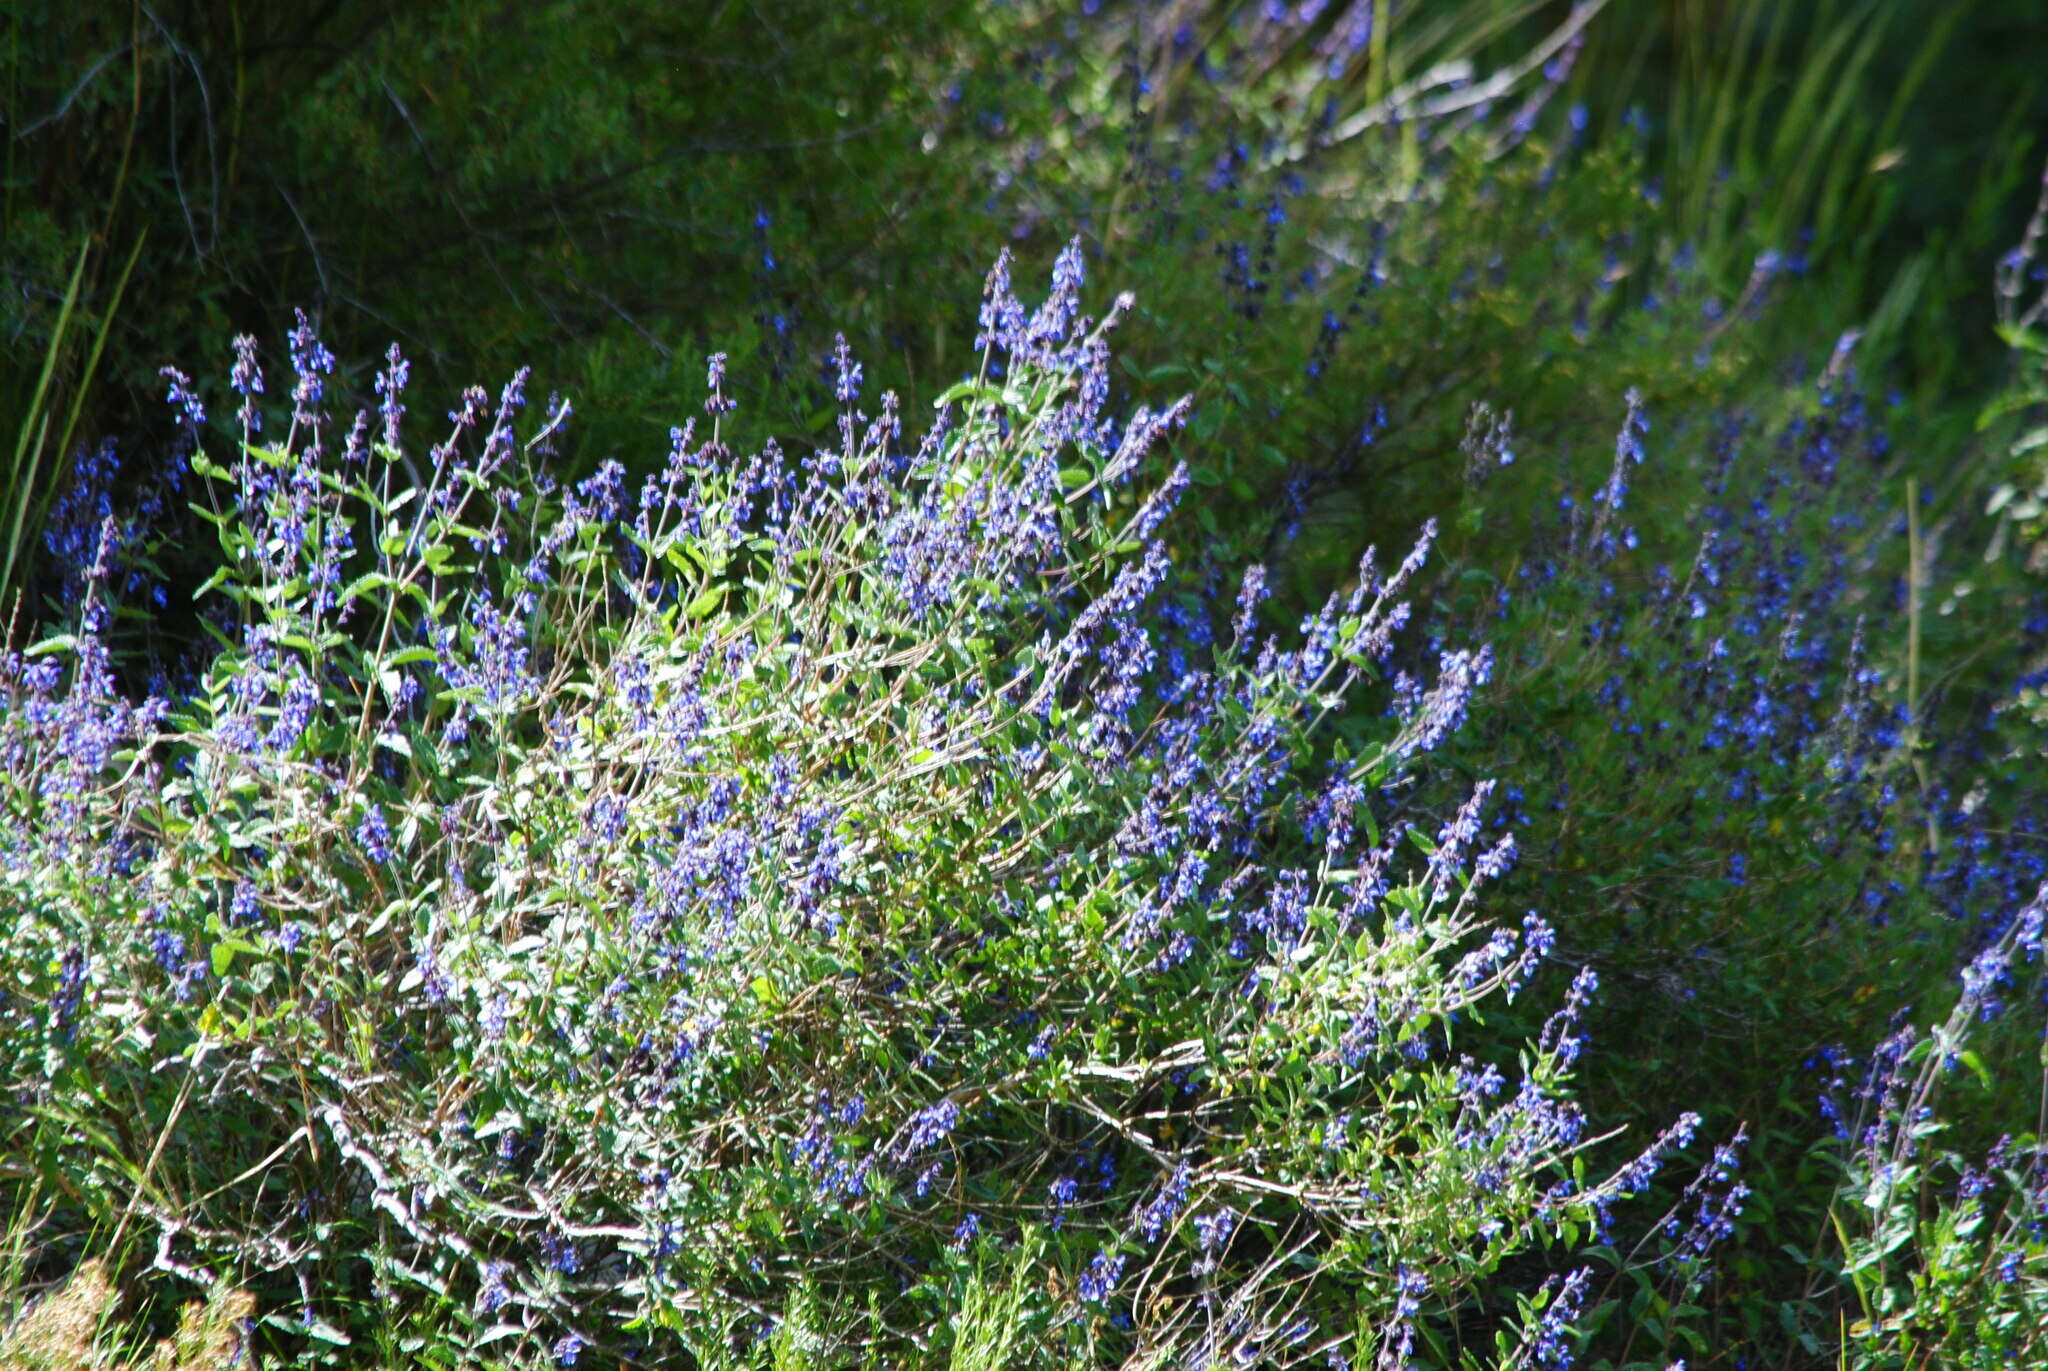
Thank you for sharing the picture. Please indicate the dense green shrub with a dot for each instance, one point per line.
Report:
(511, 845)
(1941, 1239)
(654, 184)
(2022, 497)
(613, 912)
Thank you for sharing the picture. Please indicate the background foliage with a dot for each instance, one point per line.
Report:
(1765, 670)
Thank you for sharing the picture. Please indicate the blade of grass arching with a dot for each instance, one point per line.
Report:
(1631, 72)
(1715, 220)
(1458, 36)
(1895, 311)
(1687, 162)
(1761, 93)
(20, 500)
(1743, 151)
(1685, 79)
(1852, 197)
(1802, 132)
(20, 1224)
(21, 483)
(1857, 205)
(1694, 56)
(1818, 73)
(1830, 143)
(1709, 150)
(1847, 180)
(92, 363)
(1377, 82)
(1930, 51)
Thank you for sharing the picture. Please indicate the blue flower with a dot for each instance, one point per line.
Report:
(70, 991)
(375, 835)
(1101, 1277)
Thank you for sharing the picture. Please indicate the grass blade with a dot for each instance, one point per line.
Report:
(22, 483)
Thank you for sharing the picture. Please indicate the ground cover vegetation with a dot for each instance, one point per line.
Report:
(1326, 684)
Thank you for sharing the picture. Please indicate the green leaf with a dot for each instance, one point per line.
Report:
(369, 580)
(704, 603)
(325, 1332)
(211, 583)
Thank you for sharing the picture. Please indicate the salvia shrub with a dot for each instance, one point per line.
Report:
(1940, 1244)
(1933, 1248)
(1707, 755)
(2022, 303)
(1772, 835)
(1340, 293)
(1334, 292)
(818, 884)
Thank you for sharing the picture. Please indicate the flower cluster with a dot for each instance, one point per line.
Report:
(888, 840)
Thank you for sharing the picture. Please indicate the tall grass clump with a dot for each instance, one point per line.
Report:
(836, 886)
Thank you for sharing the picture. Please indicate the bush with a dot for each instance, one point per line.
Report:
(2022, 498)
(887, 900)
(589, 915)
(1338, 292)
(1938, 1255)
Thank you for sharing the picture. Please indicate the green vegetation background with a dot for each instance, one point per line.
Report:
(610, 191)
(491, 184)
